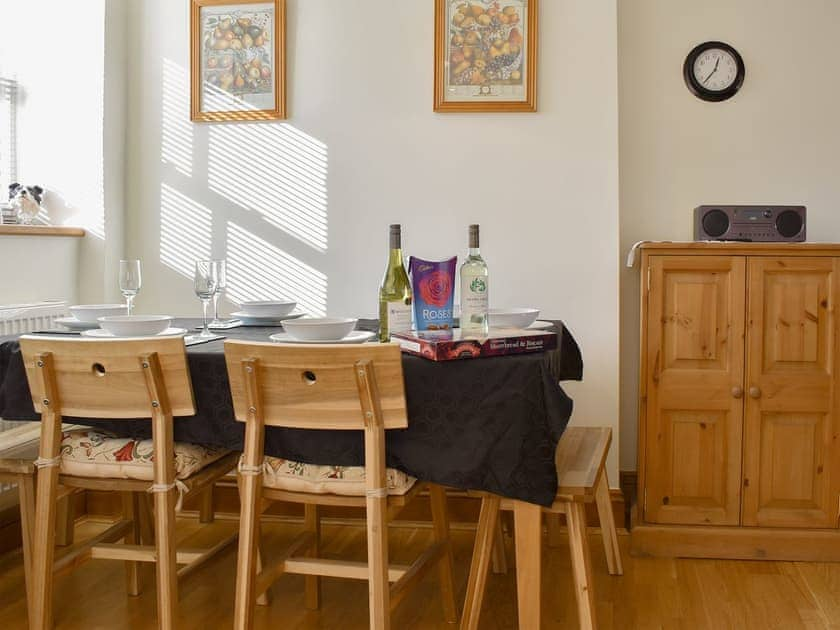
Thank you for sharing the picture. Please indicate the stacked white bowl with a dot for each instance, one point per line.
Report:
(320, 328)
(513, 317)
(90, 313)
(267, 309)
(135, 325)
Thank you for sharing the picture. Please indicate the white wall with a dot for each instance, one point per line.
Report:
(48, 273)
(303, 207)
(776, 141)
(60, 114)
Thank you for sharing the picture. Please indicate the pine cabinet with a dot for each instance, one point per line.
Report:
(739, 420)
(791, 419)
(694, 413)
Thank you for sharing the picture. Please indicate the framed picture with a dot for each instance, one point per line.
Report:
(238, 60)
(486, 55)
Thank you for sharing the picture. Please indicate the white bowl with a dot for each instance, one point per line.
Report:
(135, 325)
(90, 313)
(319, 328)
(513, 317)
(267, 308)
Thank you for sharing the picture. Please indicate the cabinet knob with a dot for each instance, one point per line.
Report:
(755, 392)
(737, 392)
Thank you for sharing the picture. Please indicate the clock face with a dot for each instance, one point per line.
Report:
(715, 69)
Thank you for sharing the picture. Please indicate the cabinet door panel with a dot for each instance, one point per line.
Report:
(693, 409)
(791, 424)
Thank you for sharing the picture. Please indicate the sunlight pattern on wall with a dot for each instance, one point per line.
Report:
(185, 231)
(177, 130)
(256, 269)
(276, 170)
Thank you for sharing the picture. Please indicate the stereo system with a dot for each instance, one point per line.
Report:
(749, 223)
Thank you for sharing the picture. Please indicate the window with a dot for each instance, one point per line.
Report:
(8, 139)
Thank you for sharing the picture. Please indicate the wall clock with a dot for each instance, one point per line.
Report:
(714, 71)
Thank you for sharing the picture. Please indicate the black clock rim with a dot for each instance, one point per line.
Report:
(702, 92)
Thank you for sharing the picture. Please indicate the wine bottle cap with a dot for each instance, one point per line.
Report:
(474, 236)
(396, 236)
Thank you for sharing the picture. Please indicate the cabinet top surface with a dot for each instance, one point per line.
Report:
(737, 247)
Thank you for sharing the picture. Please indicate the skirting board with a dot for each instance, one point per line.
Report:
(736, 543)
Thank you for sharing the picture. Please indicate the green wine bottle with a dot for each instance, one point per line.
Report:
(395, 292)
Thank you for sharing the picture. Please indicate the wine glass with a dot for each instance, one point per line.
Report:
(130, 281)
(205, 284)
(221, 274)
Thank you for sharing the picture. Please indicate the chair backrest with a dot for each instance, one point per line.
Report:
(106, 378)
(316, 387)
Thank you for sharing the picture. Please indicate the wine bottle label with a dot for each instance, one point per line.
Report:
(475, 295)
(399, 316)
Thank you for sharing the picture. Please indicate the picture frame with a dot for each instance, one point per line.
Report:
(486, 55)
(237, 60)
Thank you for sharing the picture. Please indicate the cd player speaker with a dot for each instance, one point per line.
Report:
(767, 224)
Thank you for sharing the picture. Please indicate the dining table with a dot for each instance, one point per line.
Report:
(489, 424)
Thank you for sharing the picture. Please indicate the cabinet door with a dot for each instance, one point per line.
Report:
(694, 389)
(791, 427)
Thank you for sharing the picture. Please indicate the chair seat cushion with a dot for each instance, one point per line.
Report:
(284, 474)
(97, 453)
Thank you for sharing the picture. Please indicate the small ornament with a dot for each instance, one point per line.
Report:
(26, 201)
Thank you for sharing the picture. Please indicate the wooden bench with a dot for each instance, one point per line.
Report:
(582, 478)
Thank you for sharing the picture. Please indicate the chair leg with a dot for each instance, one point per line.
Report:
(207, 505)
(607, 522)
(440, 522)
(552, 524)
(167, 569)
(377, 549)
(499, 556)
(581, 568)
(264, 598)
(246, 564)
(145, 518)
(26, 494)
(487, 523)
(131, 511)
(312, 523)
(65, 521)
(43, 543)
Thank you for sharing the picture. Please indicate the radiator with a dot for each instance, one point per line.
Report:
(16, 319)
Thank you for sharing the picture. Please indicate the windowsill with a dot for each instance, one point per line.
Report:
(40, 230)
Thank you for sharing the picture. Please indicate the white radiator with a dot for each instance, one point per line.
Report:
(16, 319)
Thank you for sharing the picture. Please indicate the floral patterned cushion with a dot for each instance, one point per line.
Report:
(284, 474)
(96, 453)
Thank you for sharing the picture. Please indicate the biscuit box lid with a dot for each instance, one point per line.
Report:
(451, 345)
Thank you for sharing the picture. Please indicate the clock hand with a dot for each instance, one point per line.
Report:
(717, 63)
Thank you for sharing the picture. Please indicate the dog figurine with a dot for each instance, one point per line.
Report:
(26, 200)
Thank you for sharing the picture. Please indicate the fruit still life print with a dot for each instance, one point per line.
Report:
(486, 44)
(237, 51)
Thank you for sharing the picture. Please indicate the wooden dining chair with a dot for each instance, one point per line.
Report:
(116, 379)
(17, 466)
(580, 460)
(335, 387)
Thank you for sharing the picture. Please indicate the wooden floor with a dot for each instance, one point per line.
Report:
(653, 593)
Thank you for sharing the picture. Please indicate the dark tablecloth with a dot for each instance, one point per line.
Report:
(483, 424)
